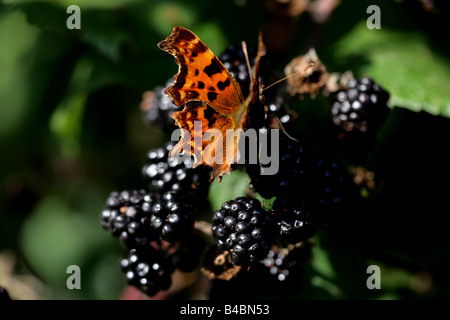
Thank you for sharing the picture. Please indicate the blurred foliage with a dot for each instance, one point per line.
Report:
(71, 132)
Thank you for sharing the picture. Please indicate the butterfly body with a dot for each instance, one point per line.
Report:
(210, 96)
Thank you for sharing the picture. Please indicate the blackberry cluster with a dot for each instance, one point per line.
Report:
(157, 108)
(157, 226)
(309, 188)
(332, 186)
(233, 58)
(127, 215)
(172, 219)
(278, 275)
(294, 163)
(279, 108)
(144, 222)
(242, 228)
(148, 270)
(328, 194)
(176, 174)
(275, 263)
(362, 107)
(284, 267)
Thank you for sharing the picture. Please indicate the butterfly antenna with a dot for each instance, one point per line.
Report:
(287, 77)
(247, 60)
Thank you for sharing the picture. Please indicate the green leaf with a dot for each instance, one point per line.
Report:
(403, 63)
(321, 262)
(232, 186)
(106, 43)
(66, 120)
(54, 238)
(327, 286)
(14, 88)
(393, 278)
(45, 15)
(58, 234)
(102, 30)
(66, 123)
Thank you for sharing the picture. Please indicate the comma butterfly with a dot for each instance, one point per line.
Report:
(212, 100)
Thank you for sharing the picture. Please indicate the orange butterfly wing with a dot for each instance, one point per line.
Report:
(212, 99)
(201, 76)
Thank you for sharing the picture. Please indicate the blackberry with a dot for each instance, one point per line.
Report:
(127, 215)
(242, 228)
(233, 58)
(361, 107)
(280, 109)
(294, 163)
(171, 218)
(148, 270)
(274, 262)
(332, 185)
(176, 174)
(4, 295)
(157, 108)
(284, 267)
(296, 217)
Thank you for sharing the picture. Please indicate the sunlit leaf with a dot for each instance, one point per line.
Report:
(416, 76)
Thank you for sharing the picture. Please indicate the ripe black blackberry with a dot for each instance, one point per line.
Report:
(172, 218)
(233, 58)
(293, 169)
(148, 270)
(332, 186)
(242, 228)
(296, 217)
(361, 107)
(284, 267)
(176, 174)
(274, 262)
(279, 108)
(127, 215)
(157, 108)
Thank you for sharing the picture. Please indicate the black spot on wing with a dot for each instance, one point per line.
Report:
(223, 84)
(212, 96)
(200, 48)
(210, 115)
(212, 68)
(197, 72)
(184, 34)
(200, 85)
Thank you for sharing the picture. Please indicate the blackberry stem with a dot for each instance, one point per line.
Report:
(204, 227)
